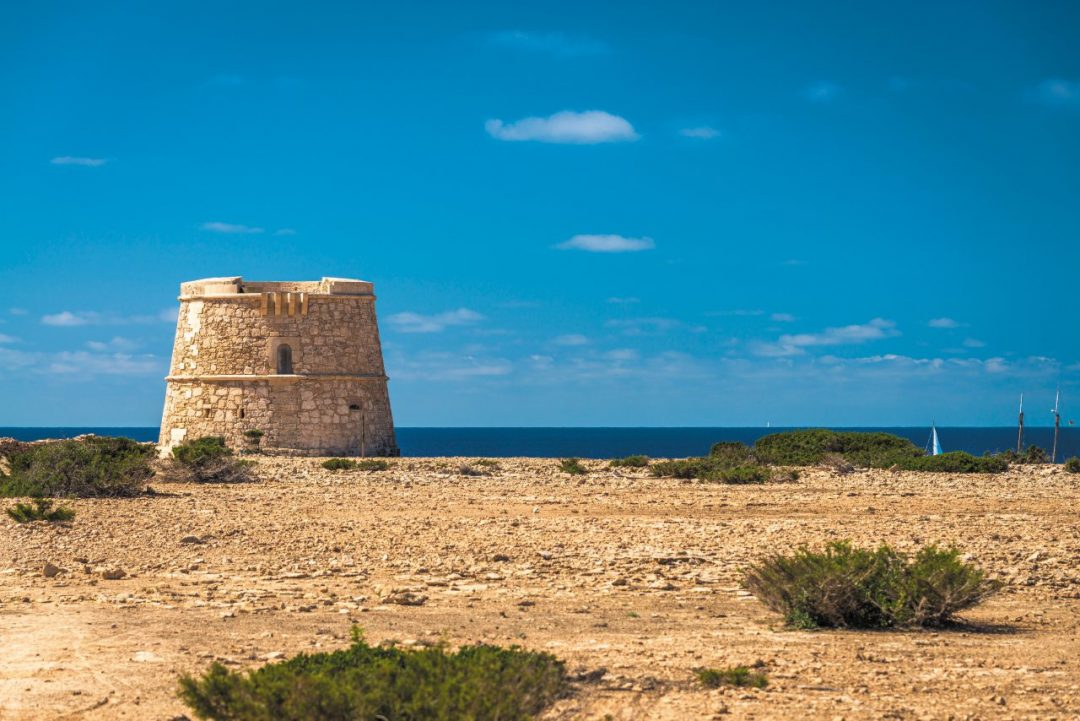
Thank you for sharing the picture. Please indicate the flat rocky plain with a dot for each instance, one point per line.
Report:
(633, 581)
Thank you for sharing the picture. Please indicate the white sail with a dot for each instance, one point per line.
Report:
(935, 444)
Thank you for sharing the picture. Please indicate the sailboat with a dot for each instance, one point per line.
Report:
(933, 446)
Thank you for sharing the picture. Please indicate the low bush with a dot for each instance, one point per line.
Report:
(201, 450)
(735, 453)
(572, 466)
(253, 437)
(207, 460)
(39, 510)
(362, 683)
(1072, 465)
(843, 586)
(630, 462)
(743, 474)
(956, 462)
(809, 447)
(740, 676)
(371, 464)
(339, 464)
(95, 466)
(467, 469)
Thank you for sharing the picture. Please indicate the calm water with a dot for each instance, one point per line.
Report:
(613, 442)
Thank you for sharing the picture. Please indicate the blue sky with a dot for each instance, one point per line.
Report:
(574, 213)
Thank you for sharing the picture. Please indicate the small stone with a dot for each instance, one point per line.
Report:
(406, 598)
(546, 555)
(113, 573)
(191, 539)
(500, 558)
(50, 570)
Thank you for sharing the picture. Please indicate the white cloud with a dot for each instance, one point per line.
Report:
(822, 92)
(1057, 92)
(8, 338)
(442, 366)
(644, 326)
(75, 160)
(973, 343)
(82, 362)
(943, 323)
(623, 301)
(409, 322)
(215, 226)
(556, 43)
(18, 311)
(795, 344)
(586, 128)
(571, 339)
(69, 319)
(116, 344)
(607, 244)
(782, 317)
(703, 132)
(285, 231)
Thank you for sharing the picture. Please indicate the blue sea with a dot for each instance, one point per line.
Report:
(616, 442)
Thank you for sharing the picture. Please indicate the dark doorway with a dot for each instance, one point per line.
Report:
(284, 359)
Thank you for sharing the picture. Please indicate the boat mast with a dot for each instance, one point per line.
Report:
(1020, 435)
(1057, 426)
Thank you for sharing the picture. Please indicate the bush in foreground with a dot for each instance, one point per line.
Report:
(810, 447)
(39, 510)
(339, 464)
(207, 460)
(740, 676)
(1072, 465)
(363, 683)
(95, 466)
(572, 466)
(846, 587)
(630, 462)
(743, 474)
(734, 453)
(956, 462)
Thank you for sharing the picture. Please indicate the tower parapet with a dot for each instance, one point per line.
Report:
(300, 361)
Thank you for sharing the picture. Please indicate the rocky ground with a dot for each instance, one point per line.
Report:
(634, 581)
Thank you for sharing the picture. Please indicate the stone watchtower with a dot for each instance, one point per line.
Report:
(300, 362)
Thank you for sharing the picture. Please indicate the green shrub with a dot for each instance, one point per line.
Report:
(858, 588)
(630, 462)
(364, 683)
(742, 474)
(40, 510)
(254, 435)
(1073, 465)
(809, 447)
(339, 464)
(95, 466)
(372, 464)
(572, 466)
(734, 453)
(740, 676)
(956, 462)
(201, 450)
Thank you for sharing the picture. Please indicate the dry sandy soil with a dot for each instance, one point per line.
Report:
(614, 571)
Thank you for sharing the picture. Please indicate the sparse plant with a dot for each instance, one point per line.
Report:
(95, 466)
(785, 475)
(1072, 465)
(836, 463)
(477, 683)
(956, 462)
(468, 469)
(371, 464)
(809, 447)
(253, 437)
(742, 474)
(712, 469)
(630, 462)
(339, 464)
(572, 466)
(843, 586)
(207, 460)
(740, 676)
(39, 509)
(734, 453)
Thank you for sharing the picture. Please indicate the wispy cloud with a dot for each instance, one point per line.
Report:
(943, 323)
(644, 326)
(702, 132)
(409, 322)
(568, 127)
(18, 311)
(444, 366)
(79, 160)
(1058, 92)
(782, 317)
(216, 226)
(69, 319)
(284, 231)
(796, 343)
(822, 91)
(555, 43)
(623, 301)
(8, 338)
(571, 339)
(973, 343)
(81, 365)
(115, 344)
(607, 244)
